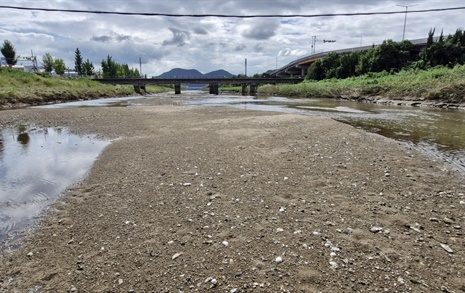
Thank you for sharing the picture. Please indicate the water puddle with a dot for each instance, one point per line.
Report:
(36, 166)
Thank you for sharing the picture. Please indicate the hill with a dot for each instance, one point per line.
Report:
(193, 73)
(218, 73)
(182, 73)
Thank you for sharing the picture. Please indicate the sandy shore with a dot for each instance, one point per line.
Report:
(192, 199)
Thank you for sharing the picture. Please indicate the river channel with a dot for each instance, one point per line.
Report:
(38, 164)
(439, 133)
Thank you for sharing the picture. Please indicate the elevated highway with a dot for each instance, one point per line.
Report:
(299, 67)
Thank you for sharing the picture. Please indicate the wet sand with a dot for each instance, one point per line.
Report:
(191, 199)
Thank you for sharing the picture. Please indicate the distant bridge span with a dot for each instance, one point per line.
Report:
(252, 83)
(300, 66)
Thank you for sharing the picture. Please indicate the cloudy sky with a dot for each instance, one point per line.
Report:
(211, 43)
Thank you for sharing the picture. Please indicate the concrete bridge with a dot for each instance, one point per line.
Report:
(213, 83)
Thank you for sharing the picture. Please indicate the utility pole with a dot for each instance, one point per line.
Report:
(140, 66)
(246, 67)
(314, 43)
(405, 19)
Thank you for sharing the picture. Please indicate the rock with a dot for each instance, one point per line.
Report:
(376, 229)
(225, 243)
(448, 221)
(446, 248)
(333, 265)
(30, 254)
(279, 259)
(176, 255)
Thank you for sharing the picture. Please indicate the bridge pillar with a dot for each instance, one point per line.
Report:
(137, 88)
(253, 89)
(214, 88)
(177, 89)
(244, 89)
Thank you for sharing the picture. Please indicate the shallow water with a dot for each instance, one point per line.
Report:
(108, 102)
(36, 166)
(439, 133)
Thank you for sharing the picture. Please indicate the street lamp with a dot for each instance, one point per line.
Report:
(405, 20)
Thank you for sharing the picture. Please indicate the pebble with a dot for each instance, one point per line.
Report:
(30, 254)
(448, 221)
(375, 229)
(282, 210)
(176, 255)
(334, 265)
(225, 243)
(446, 248)
(279, 259)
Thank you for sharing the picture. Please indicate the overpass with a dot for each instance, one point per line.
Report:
(299, 67)
(252, 83)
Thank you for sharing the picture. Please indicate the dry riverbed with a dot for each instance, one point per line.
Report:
(192, 199)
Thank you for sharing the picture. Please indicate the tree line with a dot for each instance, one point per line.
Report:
(109, 67)
(392, 57)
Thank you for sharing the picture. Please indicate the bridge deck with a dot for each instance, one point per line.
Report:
(145, 81)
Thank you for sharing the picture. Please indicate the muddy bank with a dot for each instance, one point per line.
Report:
(190, 199)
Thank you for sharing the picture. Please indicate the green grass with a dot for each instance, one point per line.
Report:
(437, 84)
(17, 87)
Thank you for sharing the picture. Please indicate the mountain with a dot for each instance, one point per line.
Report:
(218, 73)
(182, 73)
(193, 73)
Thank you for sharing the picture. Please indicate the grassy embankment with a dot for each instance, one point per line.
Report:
(18, 88)
(436, 85)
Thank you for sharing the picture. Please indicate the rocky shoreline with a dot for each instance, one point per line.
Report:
(191, 199)
(406, 101)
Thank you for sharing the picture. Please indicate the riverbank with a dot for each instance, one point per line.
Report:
(237, 200)
(437, 87)
(21, 89)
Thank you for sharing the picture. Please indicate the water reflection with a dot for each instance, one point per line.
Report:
(23, 138)
(36, 165)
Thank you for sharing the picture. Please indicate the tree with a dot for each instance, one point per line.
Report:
(88, 68)
(78, 62)
(109, 67)
(48, 62)
(59, 66)
(9, 52)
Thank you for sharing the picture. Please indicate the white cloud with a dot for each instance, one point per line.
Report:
(211, 43)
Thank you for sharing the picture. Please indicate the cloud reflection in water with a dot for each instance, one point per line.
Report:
(36, 166)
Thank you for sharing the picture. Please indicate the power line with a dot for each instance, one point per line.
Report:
(229, 15)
